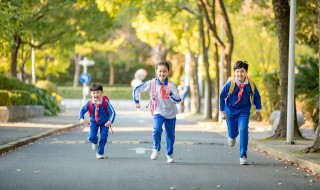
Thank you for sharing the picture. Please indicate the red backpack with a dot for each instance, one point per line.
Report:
(104, 104)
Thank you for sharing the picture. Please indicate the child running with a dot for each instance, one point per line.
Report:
(165, 96)
(101, 115)
(235, 106)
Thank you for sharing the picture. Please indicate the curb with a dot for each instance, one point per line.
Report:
(18, 143)
(286, 155)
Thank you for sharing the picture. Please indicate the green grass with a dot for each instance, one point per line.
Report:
(112, 92)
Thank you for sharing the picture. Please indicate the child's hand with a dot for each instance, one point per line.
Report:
(224, 116)
(137, 105)
(81, 121)
(108, 124)
(168, 91)
(258, 116)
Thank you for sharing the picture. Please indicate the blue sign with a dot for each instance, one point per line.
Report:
(85, 78)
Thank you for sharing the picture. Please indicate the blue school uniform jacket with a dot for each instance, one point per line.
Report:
(228, 106)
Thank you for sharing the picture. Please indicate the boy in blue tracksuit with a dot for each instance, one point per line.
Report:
(235, 107)
(102, 115)
(165, 110)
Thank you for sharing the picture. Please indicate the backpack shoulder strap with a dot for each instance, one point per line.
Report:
(233, 82)
(90, 107)
(251, 85)
(153, 86)
(104, 104)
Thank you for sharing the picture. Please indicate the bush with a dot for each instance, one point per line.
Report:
(4, 98)
(47, 85)
(19, 97)
(20, 93)
(111, 92)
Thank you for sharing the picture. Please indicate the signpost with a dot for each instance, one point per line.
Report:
(85, 78)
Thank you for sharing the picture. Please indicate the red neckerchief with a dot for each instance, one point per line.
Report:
(241, 87)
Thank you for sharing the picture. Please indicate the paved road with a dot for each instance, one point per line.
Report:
(203, 161)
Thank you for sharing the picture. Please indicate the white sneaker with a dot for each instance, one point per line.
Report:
(98, 156)
(154, 154)
(243, 161)
(231, 142)
(170, 159)
(94, 147)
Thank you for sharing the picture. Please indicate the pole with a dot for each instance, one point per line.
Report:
(290, 108)
(84, 90)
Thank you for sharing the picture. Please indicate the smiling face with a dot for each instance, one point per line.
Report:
(162, 72)
(96, 95)
(240, 74)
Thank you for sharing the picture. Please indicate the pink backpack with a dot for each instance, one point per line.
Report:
(152, 102)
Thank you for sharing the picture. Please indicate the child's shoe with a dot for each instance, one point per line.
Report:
(94, 147)
(170, 159)
(154, 154)
(98, 156)
(243, 160)
(231, 141)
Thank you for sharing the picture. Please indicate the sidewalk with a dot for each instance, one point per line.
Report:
(258, 131)
(16, 134)
(13, 135)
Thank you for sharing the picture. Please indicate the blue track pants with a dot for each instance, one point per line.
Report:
(236, 124)
(170, 125)
(93, 136)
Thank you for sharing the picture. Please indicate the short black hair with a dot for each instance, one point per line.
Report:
(165, 63)
(96, 87)
(241, 64)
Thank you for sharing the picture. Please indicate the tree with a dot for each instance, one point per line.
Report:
(208, 10)
(44, 23)
(316, 145)
(282, 17)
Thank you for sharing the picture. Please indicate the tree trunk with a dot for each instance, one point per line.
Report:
(207, 99)
(227, 46)
(316, 145)
(282, 17)
(217, 82)
(14, 55)
(229, 42)
(77, 66)
(194, 86)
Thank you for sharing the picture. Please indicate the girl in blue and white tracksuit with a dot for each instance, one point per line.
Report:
(166, 98)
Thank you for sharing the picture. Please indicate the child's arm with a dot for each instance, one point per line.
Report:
(173, 93)
(112, 114)
(222, 103)
(257, 103)
(83, 111)
(223, 96)
(144, 87)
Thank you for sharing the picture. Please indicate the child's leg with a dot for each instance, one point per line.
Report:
(232, 123)
(157, 131)
(243, 127)
(170, 125)
(93, 138)
(103, 139)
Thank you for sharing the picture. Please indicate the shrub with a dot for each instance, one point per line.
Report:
(4, 98)
(19, 97)
(47, 85)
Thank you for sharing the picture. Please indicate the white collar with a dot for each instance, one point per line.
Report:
(99, 102)
(245, 81)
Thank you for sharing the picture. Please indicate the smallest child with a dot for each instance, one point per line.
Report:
(102, 115)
